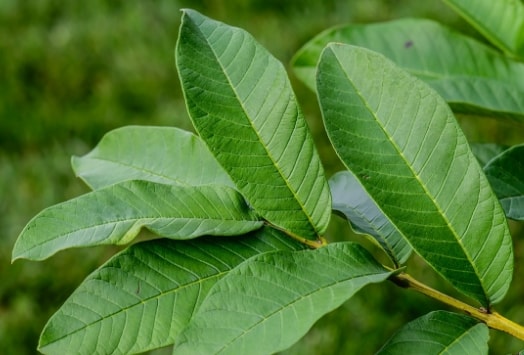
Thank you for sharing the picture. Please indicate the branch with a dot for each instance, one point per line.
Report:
(492, 319)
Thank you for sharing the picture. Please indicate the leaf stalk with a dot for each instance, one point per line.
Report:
(492, 319)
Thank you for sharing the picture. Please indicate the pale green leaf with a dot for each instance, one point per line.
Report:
(470, 76)
(439, 332)
(269, 302)
(352, 200)
(165, 155)
(242, 105)
(500, 21)
(144, 296)
(393, 129)
(115, 215)
(505, 172)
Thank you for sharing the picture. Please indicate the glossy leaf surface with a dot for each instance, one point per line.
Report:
(165, 155)
(269, 302)
(115, 215)
(350, 198)
(470, 76)
(144, 296)
(242, 105)
(439, 333)
(506, 175)
(501, 21)
(393, 129)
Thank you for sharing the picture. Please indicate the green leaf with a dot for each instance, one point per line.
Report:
(115, 215)
(470, 76)
(165, 155)
(439, 333)
(484, 152)
(506, 175)
(143, 297)
(269, 302)
(242, 105)
(393, 129)
(500, 21)
(352, 200)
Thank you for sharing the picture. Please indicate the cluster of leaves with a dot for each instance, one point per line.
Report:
(242, 208)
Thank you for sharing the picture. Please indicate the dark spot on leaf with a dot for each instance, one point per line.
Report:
(408, 44)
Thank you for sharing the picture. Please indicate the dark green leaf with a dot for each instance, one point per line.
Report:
(144, 296)
(506, 175)
(115, 215)
(241, 103)
(392, 128)
(269, 302)
(484, 152)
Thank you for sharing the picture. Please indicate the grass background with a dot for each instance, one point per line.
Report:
(71, 71)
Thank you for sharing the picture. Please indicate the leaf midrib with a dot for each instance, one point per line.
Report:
(139, 302)
(244, 109)
(437, 206)
(133, 167)
(290, 305)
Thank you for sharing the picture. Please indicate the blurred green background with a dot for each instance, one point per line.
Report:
(71, 71)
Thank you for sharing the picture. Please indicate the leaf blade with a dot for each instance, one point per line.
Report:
(242, 105)
(501, 22)
(351, 199)
(470, 76)
(505, 172)
(166, 155)
(115, 215)
(429, 185)
(145, 295)
(246, 312)
(439, 332)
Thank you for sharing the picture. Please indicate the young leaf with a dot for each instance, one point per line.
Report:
(439, 333)
(144, 296)
(270, 301)
(115, 215)
(242, 105)
(350, 198)
(506, 175)
(501, 21)
(470, 76)
(165, 155)
(397, 132)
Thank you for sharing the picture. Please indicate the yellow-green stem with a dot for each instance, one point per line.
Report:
(492, 319)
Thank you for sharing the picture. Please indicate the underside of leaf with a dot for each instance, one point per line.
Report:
(144, 296)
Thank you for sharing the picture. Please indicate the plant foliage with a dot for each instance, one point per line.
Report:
(241, 262)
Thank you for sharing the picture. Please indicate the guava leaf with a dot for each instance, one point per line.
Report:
(270, 301)
(144, 296)
(505, 172)
(116, 214)
(501, 21)
(350, 198)
(166, 155)
(470, 76)
(398, 133)
(484, 152)
(242, 105)
(439, 332)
